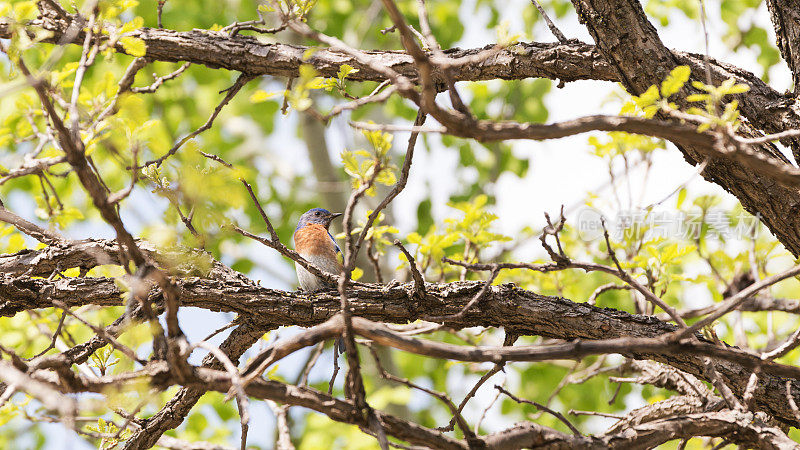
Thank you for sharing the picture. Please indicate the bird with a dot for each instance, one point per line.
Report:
(314, 243)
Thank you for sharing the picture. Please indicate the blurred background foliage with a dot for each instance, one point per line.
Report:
(294, 163)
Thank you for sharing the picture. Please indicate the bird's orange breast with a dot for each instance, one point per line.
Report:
(313, 239)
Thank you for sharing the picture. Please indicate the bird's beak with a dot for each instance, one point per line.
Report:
(335, 215)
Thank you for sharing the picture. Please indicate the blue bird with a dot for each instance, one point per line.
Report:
(314, 242)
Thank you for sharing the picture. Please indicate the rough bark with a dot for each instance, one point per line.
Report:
(86, 254)
(644, 428)
(785, 15)
(518, 311)
(177, 408)
(628, 50)
(765, 107)
(747, 429)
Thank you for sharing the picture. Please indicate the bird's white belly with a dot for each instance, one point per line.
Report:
(310, 282)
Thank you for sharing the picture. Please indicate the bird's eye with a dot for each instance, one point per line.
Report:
(317, 213)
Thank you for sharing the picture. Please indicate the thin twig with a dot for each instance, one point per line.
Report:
(416, 275)
(100, 331)
(605, 288)
(556, 414)
(650, 296)
(553, 28)
(735, 301)
(230, 93)
(790, 399)
(457, 417)
(160, 80)
(722, 388)
(54, 338)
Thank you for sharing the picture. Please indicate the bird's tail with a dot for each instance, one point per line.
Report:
(339, 344)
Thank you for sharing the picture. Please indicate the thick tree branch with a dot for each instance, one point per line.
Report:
(785, 15)
(89, 253)
(514, 309)
(743, 428)
(641, 430)
(566, 62)
(764, 108)
(176, 410)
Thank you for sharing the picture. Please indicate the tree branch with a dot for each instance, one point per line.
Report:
(785, 15)
(517, 310)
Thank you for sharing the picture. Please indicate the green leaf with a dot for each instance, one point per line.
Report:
(133, 46)
(132, 25)
(675, 80)
(261, 96)
(345, 70)
(681, 197)
(697, 97)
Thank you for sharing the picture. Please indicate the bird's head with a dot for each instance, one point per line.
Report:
(317, 215)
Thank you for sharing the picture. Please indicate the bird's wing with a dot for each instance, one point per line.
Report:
(338, 250)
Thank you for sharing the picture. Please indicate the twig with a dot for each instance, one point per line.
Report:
(508, 341)
(735, 301)
(272, 234)
(650, 296)
(237, 386)
(576, 412)
(284, 441)
(441, 59)
(459, 315)
(419, 281)
(31, 229)
(159, 10)
(396, 189)
(556, 414)
(706, 57)
(124, 193)
(486, 411)
(302, 379)
(768, 138)
(335, 367)
(231, 92)
(391, 127)
(752, 385)
(217, 159)
(373, 259)
(722, 388)
(553, 29)
(790, 344)
(457, 417)
(100, 331)
(32, 166)
(54, 338)
(790, 399)
(605, 288)
(378, 97)
(11, 389)
(160, 80)
(286, 91)
(219, 330)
